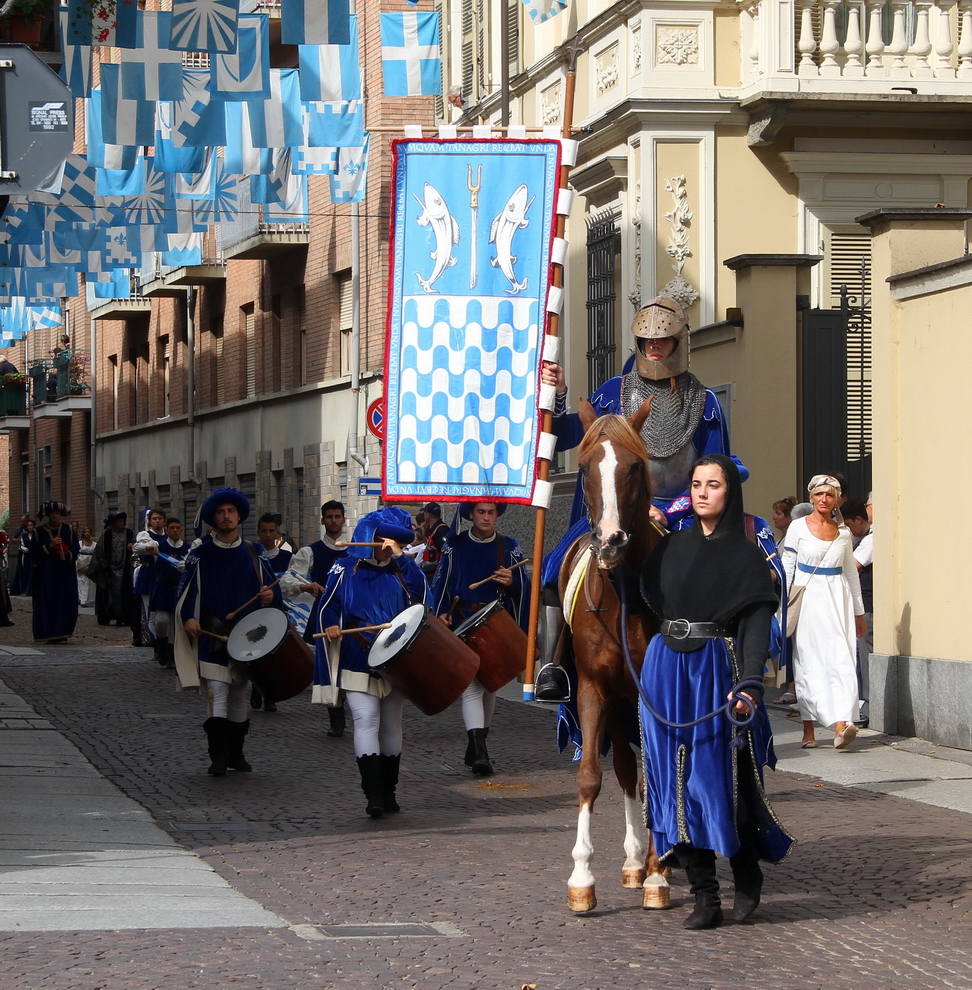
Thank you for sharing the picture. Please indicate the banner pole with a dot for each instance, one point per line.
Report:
(543, 470)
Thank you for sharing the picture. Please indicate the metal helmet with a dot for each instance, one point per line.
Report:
(661, 317)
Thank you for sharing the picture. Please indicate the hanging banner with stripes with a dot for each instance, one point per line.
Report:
(472, 230)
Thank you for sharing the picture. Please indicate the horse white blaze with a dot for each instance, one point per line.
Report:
(610, 521)
(635, 835)
(583, 851)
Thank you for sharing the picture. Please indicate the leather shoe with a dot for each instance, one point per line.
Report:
(553, 685)
(705, 915)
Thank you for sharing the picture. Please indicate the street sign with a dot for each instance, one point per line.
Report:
(36, 120)
(375, 418)
(369, 486)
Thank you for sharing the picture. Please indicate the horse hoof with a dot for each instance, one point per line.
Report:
(657, 895)
(633, 876)
(581, 898)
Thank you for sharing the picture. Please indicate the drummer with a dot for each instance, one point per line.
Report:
(221, 575)
(373, 584)
(468, 557)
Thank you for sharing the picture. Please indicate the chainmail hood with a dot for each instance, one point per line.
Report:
(675, 413)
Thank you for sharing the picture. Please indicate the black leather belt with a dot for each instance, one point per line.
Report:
(683, 629)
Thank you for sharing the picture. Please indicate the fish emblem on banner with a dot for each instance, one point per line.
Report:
(473, 224)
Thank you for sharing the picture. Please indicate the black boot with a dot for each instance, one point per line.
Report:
(371, 783)
(553, 685)
(169, 654)
(389, 779)
(236, 733)
(158, 652)
(747, 875)
(269, 705)
(471, 749)
(256, 697)
(217, 733)
(481, 766)
(699, 866)
(338, 721)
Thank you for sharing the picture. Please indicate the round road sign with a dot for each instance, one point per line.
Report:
(375, 418)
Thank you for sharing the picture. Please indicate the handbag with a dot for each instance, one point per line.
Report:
(794, 600)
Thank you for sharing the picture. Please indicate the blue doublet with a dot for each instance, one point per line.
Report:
(465, 561)
(167, 576)
(361, 592)
(280, 562)
(145, 575)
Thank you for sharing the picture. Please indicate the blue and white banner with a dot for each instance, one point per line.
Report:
(350, 176)
(331, 72)
(245, 75)
(152, 71)
(130, 122)
(315, 22)
(472, 230)
(411, 61)
(543, 10)
(205, 25)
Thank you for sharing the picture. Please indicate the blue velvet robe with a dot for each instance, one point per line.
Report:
(465, 561)
(54, 582)
(691, 786)
(360, 592)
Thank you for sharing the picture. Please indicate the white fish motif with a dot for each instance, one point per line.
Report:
(435, 213)
(512, 219)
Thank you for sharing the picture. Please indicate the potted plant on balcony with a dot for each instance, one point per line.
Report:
(24, 22)
(13, 395)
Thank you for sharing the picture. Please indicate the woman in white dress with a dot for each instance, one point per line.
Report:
(86, 587)
(818, 554)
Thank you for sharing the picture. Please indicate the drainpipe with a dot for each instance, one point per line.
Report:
(93, 454)
(191, 378)
(353, 451)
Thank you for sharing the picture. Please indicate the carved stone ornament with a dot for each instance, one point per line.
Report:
(606, 69)
(679, 288)
(550, 103)
(677, 46)
(636, 49)
(634, 296)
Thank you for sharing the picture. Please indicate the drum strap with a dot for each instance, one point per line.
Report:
(256, 562)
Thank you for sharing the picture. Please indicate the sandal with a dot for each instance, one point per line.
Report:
(785, 699)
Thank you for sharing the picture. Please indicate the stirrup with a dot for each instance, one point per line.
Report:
(552, 685)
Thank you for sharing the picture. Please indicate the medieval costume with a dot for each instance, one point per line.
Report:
(145, 577)
(54, 578)
(218, 579)
(112, 563)
(465, 560)
(685, 423)
(704, 785)
(169, 565)
(368, 587)
(86, 585)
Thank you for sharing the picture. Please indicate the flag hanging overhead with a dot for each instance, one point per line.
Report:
(411, 61)
(350, 175)
(331, 72)
(151, 71)
(543, 10)
(76, 67)
(246, 74)
(472, 230)
(205, 25)
(315, 22)
(110, 23)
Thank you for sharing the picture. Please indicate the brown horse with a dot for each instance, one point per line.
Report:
(614, 468)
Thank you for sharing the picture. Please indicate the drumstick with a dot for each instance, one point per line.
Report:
(492, 577)
(206, 632)
(351, 629)
(344, 543)
(272, 584)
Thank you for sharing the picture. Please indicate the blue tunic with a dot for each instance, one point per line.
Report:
(228, 578)
(465, 561)
(163, 596)
(145, 575)
(690, 774)
(54, 582)
(363, 593)
(280, 562)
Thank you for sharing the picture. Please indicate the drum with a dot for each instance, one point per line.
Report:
(422, 657)
(500, 643)
(267, 647)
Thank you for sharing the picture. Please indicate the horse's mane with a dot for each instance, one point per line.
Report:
(620, 432)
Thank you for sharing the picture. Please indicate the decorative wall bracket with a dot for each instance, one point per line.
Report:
(680, 217)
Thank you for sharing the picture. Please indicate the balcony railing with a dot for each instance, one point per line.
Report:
(73, 370)
(13, 398)
(820, 45)
(250, 236)
(43, 382)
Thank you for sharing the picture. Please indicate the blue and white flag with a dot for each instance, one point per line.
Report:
(315, 161)
(121, 182)
(543, 10)
(76, 67)
(288, 200)
(348, 183)
(411, 61)
(224, 207)
(245, 75)
(152, 71)
(184, 249)
(468, 307)
(110, 24)
(198, 185)
(169, 158)
(331, 72)
(198, 120)
(118, 287)
(334, 125)
(315, 22)
(123, 121)
(277, 122)
(205, 25)
(101, 155)
(151, 208)
(240, 156)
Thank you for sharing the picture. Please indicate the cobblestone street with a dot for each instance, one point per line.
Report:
(878, 892)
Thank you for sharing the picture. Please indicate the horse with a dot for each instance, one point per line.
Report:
(613, 465)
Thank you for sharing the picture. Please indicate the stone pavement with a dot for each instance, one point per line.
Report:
(878, 892)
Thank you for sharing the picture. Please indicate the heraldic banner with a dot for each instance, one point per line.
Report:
(472, 229)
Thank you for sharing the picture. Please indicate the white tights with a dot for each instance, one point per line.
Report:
(478, 706)
(228, 700)
(377, 723)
